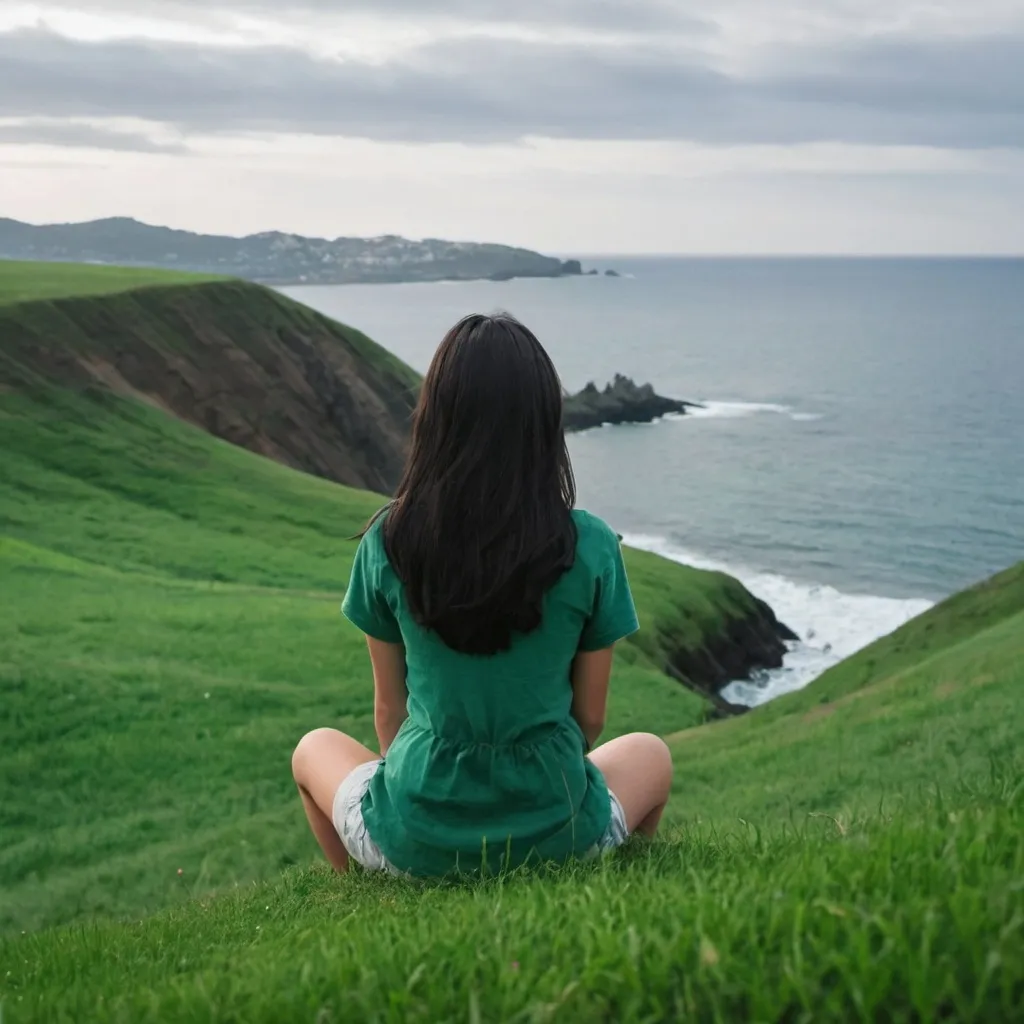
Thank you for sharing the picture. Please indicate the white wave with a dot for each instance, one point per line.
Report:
(831, 624)
(740, 410)
(725, 410)
(734, 410)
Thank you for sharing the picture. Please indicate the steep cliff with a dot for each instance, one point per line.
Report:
(236, 359)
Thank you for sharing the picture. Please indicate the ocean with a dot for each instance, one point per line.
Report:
(861, 452)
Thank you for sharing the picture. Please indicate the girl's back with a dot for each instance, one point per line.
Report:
(490, 755)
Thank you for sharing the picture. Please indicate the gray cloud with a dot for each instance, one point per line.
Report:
(84, 136)
(634, 15)
(961, 93)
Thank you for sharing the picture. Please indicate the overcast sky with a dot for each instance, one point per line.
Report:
(573, 126)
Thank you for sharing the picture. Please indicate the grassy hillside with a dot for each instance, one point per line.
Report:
(238, 360)
(887, 888)
(937, 702)
(169, 626)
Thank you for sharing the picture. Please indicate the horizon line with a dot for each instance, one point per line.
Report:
(950, 255)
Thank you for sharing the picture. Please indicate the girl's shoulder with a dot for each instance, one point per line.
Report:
(374, 532)
(587, 522)
(372, 549)
(595, 539)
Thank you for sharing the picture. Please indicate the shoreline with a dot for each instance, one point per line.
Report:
(832, 623)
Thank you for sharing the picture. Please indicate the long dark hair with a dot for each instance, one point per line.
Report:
(481, 525)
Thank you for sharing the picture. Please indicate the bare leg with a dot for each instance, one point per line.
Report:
(638, 770)
(321, 761)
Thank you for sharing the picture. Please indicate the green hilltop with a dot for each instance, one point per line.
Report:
(169, 628)
(28, 281)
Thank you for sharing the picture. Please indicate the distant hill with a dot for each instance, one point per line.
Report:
(273, 257)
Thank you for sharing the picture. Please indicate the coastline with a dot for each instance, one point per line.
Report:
(831, 624)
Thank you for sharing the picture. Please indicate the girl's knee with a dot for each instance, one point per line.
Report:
(657, 755)
(305, 752)
(653, 747)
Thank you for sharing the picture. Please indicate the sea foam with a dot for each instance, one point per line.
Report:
(740, 410)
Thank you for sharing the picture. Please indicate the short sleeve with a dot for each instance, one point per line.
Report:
(613, 616)
(366, 605)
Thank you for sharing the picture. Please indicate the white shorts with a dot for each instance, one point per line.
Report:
(347, 815)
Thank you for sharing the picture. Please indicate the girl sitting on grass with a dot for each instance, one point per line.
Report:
(491, 607)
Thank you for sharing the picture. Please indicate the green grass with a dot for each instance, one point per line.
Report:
(908, 917)
(169, 626)
(26, 281)
(933, 704)
(72, 310)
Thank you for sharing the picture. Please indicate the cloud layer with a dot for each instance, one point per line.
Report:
(75, 135)
(631, 15)
(652, 125)
(947, 92)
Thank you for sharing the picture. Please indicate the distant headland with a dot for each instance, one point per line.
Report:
(278, 258)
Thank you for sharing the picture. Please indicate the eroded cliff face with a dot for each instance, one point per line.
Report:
(746, 641)
(235, 359)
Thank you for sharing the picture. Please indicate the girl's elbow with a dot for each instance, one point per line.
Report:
(382, 713)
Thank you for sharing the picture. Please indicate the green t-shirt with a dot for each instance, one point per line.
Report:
(490, 763)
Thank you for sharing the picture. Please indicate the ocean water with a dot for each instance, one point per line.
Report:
(861, 452)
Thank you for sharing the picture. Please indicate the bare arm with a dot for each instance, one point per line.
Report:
(389, 690)
(591, 671)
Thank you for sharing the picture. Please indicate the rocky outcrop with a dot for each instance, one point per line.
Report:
(622, 401)
(746, 642)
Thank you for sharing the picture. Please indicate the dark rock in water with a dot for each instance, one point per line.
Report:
(622, 401)
(592, 272)
(612, 273)
(571, 268)
(749, 641)
(787, 634)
